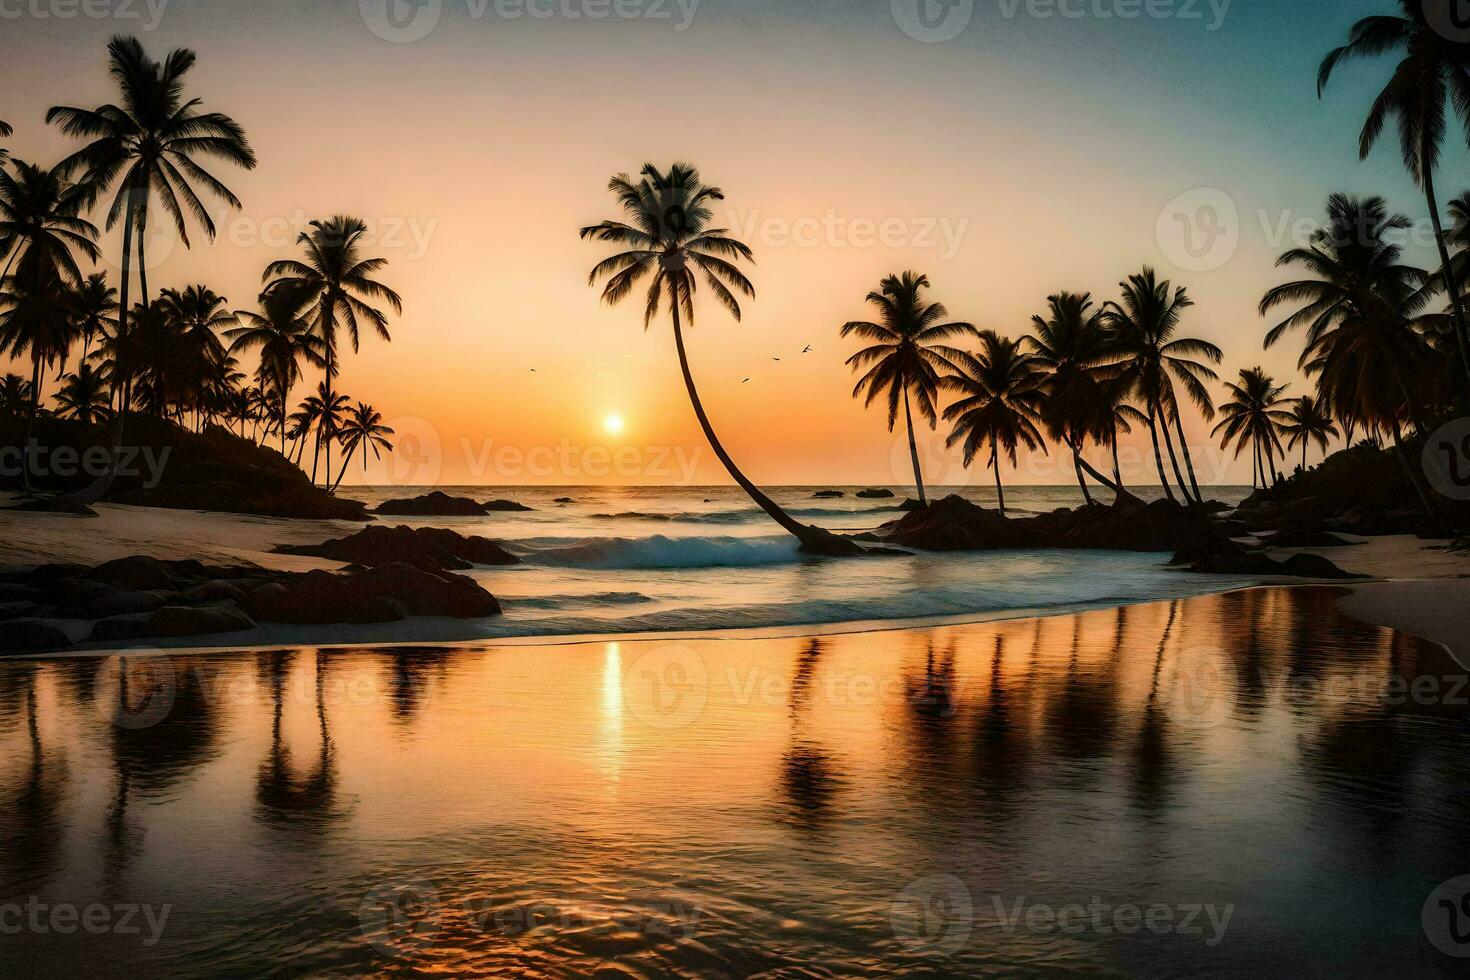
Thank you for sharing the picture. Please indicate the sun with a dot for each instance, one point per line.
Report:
(614, 424)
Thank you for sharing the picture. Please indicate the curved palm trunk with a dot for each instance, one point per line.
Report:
(345, 460)
(1153, 431)
(1081, 481)
(1000, 492)
(1117, 470)
(1457, 315)
(914, 448)
(1173, 459)
(812, 538)
(1188, 462)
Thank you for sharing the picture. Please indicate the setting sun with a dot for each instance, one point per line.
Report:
(614, 424)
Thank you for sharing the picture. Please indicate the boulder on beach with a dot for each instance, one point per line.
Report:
(435, 504)
(506, 506)
(564, 500)
(173, 621)
(424, 547)
(1299, 538)
(876, 494)
(825, 495)
(324, 597)
(955, 524)
(31, 634)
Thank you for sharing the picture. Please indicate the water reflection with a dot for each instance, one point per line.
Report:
(1253, 749)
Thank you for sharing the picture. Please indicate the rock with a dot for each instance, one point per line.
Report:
(15, 592)
(382, 609)
(1158, 526)
(19, 610)
(323, 597)
(820, 541)
(427, 593)
(910, 505)
(217, 591)
(876, 494)
(1213, 507)
(826, 495)
(955, 524)
(435, 504)
(564, 500)
(32, 634)
(426, 547)
(135, 573)
(119, 629)
(1315, 566)
(505, 505)
(81, 598)
(177, 621)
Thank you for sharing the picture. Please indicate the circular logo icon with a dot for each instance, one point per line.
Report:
(1446, 459)
(1199, 231)
(1195, 694)
(1450, 19)
(1446, 917)
(401, 21)
(933, 21)
(146, 688)
(933, 916)
(398, 916)
(152, 247)
(940, 466)
(416, 459)
(667, 686)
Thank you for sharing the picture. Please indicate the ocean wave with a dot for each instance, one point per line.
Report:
(659, 551)
(592, 599)
(744, 515)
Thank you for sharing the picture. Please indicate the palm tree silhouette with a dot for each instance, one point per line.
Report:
(1253, 417)
(285, 337)
(5, 132)
(1144, 324)
(336, 281)
(1000, 400)
(93, 303)
(907, 355)
(15, 397)
(1073, 347)
(1431, 77)
(1309, 423)
(323, 411)
(363, 429)
(150, 143)
(667, 233)
(83, 395)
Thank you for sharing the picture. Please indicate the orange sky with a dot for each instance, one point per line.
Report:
(1003, 166)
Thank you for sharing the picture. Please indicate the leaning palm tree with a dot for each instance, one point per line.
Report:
(1144, 323)
(1253, 417)
(1001, 398)
(336, 281)
(907, 356)
(1309, 422)
(363, 429)
(1432, 77)
(285, 337)
(667, 238)
(83, 395)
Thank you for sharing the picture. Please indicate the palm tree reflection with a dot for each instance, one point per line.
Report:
(285, 798)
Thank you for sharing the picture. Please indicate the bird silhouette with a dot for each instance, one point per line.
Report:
(746, 381)
(775, 358)
(808, 349)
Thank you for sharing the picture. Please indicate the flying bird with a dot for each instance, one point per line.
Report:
(775, 358)
(746, 381)
(808, 349)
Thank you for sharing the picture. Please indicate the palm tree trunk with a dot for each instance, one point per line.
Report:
(1077, 465)
(814, 538)
(316, 455)
(1457, 315)
(914, 449)
(1398, 451)
(1153, 430)
(1304, 456)
(1173, 460)
(345, 460)
(1271, 459)
(1188, 462)
(1117, 470)
(31, 421)
(1000, 492)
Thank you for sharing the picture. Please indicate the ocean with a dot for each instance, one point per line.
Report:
(617, 560)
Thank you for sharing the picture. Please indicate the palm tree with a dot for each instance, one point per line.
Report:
(1073, 348)
(668, 239)
(1253, 417)
(1309, 422)
(323, 410)
(1000, 401)
(93, 304)
(15, 397)
(285, 337)
(1431, 77)
(363, 429)
(83, 395)
(1144, 324)
(5, 132)
(198, 316)
(337, 283)
(907, 355)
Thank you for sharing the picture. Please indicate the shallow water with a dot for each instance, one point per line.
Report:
(914, 803)
(651, 559)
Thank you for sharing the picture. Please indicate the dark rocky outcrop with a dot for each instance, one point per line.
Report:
(955, 524)
(1305, 538)
(506, 506)
(45, 602)
(435, 504)
(827, 495)
(424, 547)
(564, 500)
(876, 494)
